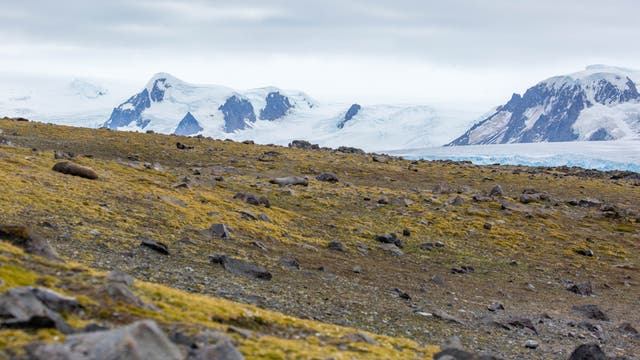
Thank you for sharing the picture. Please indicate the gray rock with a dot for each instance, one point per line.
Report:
(328, 177)
(35, 308)
(22, 237)
(439, 314)
(531, 344)
(496, 306)
(389, 238)
(392, 249)
(290, 262)
(336, 246)
(156, 246)
(360, 337)
(138, 341)
(583, 288)
(452, 342)
(241, 267)
(120, 292)
(591, 312)
(496, 190)
(588, 352)
(223, 350)
(219, 231)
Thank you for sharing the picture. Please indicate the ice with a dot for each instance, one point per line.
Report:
(599, 155)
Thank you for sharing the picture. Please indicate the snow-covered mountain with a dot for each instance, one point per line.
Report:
(66, 101)
(599, 103)
(271, 115)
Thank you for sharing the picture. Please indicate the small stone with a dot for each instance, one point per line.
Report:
(336, 246)
(583, 288)
(531, 344)
(290, 262)
(496, 306)
(584, 252)
(487, 226)
(406, 232)
(357, 269)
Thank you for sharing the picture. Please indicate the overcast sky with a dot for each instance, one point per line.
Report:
(402, 51)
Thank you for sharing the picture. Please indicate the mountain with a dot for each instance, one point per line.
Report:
(599, 103)
(68, 101)
(271, 115)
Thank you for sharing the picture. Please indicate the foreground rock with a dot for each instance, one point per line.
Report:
(22, 237)
(35, 308)
(70, 168)
(139, 341)
(588, 352)
(241, 267)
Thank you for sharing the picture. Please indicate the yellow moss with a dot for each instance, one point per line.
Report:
(13, 276)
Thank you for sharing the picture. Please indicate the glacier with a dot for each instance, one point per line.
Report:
(599, 155)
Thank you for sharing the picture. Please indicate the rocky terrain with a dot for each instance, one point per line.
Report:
(200, 248)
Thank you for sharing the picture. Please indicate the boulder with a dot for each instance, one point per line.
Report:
(588, 352)
(241, 267)
(35, 308)
(496, 190)
(219, 231)
(138, 341)
(583, 288)
(591, 312)
(156, 246)
(328, 177)
(389, 238)
(22, 237)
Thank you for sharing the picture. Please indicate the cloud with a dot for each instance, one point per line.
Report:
(461, 37)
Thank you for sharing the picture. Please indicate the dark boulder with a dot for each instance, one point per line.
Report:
(588, 352)
(156, 246)
(389, 238)
(303, 144)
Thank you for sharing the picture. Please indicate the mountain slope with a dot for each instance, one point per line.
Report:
(271, 115)
(519, 251)
(599, 103)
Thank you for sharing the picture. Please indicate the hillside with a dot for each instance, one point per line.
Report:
(498, 267)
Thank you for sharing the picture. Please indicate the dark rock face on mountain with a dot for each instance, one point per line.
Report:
(353, 111)
(277, 106)
(188, 126)
(130, 111)
(159, 86)
(237, 112)
(550, 111)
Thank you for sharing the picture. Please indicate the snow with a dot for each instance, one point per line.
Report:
(600, 155)
(492, 128)
(66, 101)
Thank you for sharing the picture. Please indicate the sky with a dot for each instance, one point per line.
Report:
(473, 53)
